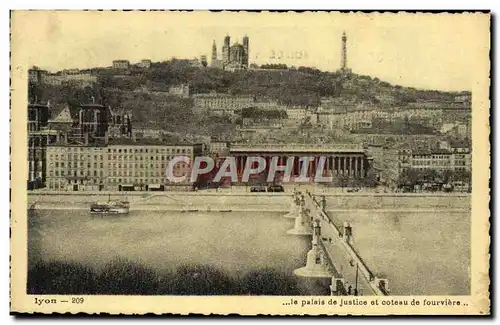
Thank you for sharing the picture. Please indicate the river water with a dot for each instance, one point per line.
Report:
(420, 253)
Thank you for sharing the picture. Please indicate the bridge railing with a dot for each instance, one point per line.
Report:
(374, 282)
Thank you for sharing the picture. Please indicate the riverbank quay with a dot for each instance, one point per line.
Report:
(247, 201)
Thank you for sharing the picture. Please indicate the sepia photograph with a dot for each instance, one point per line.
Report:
(324, 156)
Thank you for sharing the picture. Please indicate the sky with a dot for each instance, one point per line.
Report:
(431, 51)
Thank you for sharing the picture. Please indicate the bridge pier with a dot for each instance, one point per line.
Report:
(322, 258)
(302, 224)
(295, 207)
(337, 288)
(316, 263)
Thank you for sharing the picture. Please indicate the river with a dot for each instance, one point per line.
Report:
(420, 253)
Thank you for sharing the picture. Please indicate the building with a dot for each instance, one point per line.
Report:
(63, 120)
(447, 156)
(296, 113)
(203, 60)
(148, 133)
(214, 54)
(39, 137)
(342, 160)
(122, 165)
(222, 104)
(145, 64)
(234, 57)
(121, 64)
(93, 121)
(219, 148)
(74, 77)
(120, 124)
(35, 75)
(215, 62)
(181, 90)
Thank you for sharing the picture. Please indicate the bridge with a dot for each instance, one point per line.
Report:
(333, 253)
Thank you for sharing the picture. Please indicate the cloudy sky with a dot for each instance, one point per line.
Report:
(428, 51)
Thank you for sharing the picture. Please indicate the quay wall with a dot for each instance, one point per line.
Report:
(252, 201)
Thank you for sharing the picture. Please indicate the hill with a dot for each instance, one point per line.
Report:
(302, 86)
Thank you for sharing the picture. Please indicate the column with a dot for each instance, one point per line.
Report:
(351, 166)
(356, 174)
(362, 166)
(336, 164)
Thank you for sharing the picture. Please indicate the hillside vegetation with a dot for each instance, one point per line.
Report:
(302, 86)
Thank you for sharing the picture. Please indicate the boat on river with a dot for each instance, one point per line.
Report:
(110, 207)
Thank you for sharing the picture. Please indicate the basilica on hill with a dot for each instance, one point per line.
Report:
(234, 57)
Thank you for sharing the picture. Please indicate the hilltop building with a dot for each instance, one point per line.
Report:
(121, 64)
(71, 76)
(145, 64)
(234, 57)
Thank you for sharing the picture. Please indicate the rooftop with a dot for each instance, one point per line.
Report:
(345, 147)
(146, 142)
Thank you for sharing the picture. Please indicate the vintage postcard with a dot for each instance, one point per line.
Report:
(271, 163)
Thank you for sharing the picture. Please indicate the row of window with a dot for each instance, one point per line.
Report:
(115, 150)
(431, 162)
(100, 173)
(135, 181)
(101, 165)
(76, 173)
(110, 157)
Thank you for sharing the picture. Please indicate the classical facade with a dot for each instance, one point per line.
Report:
(349, 161)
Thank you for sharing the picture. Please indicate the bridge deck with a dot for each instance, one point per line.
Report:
(343, 256)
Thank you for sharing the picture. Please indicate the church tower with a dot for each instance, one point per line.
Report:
(214, 54)
(225, 50)
(246, 51)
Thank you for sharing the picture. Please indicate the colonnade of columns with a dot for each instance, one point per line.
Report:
(335, 164)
